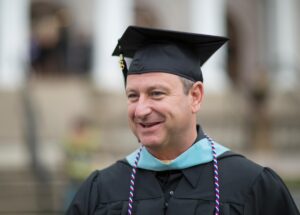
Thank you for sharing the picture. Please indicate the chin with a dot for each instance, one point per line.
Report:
(150, 143)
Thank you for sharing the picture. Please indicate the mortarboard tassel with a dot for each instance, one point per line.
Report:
(122, 63)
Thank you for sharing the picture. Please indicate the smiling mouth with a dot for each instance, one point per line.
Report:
(149, 125)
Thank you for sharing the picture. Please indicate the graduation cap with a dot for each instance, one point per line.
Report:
(156, 50)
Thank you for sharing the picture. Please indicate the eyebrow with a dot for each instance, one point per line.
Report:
(157, 87)
(129, 90)
(153, 87)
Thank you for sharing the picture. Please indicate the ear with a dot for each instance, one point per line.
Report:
(196, 93)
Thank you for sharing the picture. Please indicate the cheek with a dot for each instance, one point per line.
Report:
(182, 111)
(130, 117)
(130, 111)
(188, 105)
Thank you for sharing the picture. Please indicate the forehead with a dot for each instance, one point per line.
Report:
(152, 79)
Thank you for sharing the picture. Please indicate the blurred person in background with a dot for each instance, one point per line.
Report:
(80, 146)
(178, 169)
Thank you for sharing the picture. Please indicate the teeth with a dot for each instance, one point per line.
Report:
(148, 125)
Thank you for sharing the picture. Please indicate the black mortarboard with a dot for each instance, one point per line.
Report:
(156, 50)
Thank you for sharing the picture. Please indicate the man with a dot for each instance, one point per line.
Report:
(178, 169)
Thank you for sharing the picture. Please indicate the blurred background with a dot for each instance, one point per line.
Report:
(62, 105)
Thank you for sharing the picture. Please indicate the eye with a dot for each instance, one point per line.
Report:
(157, 94)
(132, 96)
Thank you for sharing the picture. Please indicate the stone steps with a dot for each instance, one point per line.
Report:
(22, 192)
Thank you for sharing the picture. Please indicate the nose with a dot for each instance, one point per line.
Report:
(142, 109)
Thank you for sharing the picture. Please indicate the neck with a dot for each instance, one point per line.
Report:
(174, 150)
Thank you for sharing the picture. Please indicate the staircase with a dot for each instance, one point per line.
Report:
(22, 192)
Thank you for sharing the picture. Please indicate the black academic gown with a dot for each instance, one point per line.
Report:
(245, 188)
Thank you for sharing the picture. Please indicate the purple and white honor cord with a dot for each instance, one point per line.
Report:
(216, 178)
(132, 180)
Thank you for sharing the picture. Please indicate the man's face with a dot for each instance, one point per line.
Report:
(160, 114)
